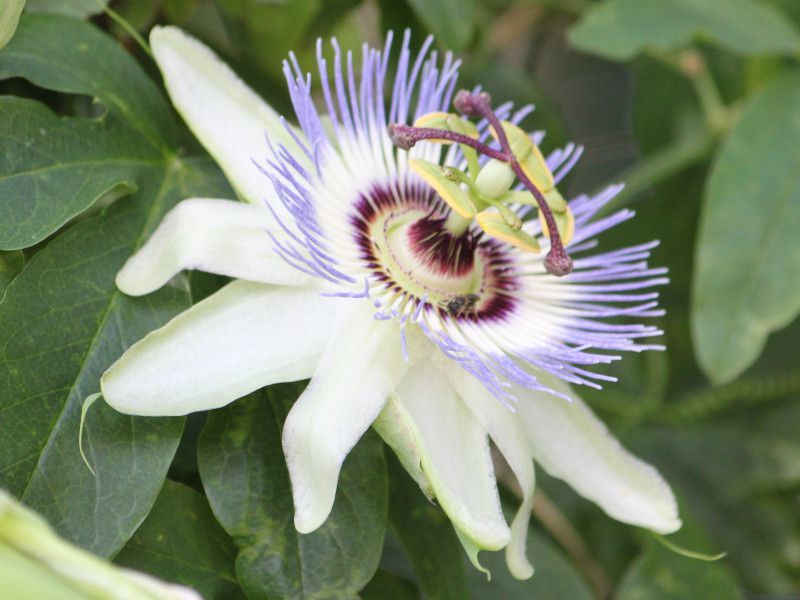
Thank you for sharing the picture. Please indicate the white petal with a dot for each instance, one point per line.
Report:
(505, 429)
(357, 372)
(397, 429)
(217, 236)
(228, 117)
(455, 456)
(570, 443)
(245, 336)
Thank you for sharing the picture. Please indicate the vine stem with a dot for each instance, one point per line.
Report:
(129, 29)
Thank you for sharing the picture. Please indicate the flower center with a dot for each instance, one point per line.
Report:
(406, 244)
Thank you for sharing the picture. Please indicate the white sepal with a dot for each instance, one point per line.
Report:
(396, 427)
(358, 370)
(216, 236)
(243, 337)
(228, 117)
(454, 452)
(570, 443)
(505, 429)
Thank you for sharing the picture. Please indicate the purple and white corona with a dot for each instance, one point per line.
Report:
(387, 249)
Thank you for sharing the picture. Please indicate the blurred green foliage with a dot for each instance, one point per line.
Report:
(695, 104)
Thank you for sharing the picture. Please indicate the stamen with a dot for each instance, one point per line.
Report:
(557, 262)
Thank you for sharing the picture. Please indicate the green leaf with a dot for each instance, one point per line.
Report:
(245, 477)
(730, 473)
(660, 574)
(387, 585)
(11, 264)
(10, 11)
(747, 258)
(451, 21)
(76, 8)
(54, 167)
(181, 542)
(554, 579)
(427, 537)
(621, 29)
(62, 323)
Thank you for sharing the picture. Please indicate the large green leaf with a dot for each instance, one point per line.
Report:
(452, 21)
(181, 542)
(76, 8)
(54, 167)
(748, 259)
(427, 537)
(10, 265)
(620, 29)
(62, 320)
(387, 585)
(62, 323)
(245, 477)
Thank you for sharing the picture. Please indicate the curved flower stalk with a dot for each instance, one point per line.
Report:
(396, 273)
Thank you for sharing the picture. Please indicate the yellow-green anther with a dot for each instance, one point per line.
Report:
(565, 221)
(495, 225)
(520, 143)
(494, 179)
(433, 119)
(450, 191)
(512, 219)
(448, 121)
(536, 169)
(555, 201)
(459, 125)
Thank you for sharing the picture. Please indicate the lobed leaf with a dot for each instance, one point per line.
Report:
(62, 323)
(181, 542)
(53, 168)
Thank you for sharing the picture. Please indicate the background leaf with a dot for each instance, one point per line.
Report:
(620, 29)
(554, 577)
(64, 321)
(180, 542)
(244, 475)
(660, 574)
(53, 168)
(75, 8)
(451, 21)
(10, 265)
(427, 537)
(748, 259)
(732, 474)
